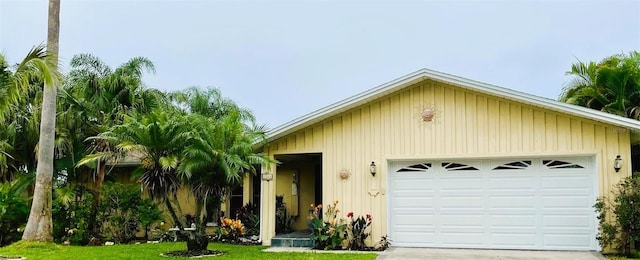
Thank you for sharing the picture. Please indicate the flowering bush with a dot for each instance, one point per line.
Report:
(328, 232)
(357, 231)
(231, 228)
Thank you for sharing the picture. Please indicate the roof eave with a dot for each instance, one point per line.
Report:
(407, 80)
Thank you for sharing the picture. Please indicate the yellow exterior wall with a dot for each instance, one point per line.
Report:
(466, 124)
(297, 205)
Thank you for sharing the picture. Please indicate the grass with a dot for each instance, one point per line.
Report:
(32, 250)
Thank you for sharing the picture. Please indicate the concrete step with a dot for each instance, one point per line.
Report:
(291, 242)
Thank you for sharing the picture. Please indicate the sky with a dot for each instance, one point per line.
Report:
(285, 59)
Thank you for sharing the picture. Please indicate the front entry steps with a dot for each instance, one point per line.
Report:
(296, 239)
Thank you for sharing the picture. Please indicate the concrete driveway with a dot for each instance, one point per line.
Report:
(402, 253)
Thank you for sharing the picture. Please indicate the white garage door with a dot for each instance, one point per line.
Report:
(543, 203)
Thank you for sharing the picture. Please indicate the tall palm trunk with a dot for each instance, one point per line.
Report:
(39, 226)
(99, 182)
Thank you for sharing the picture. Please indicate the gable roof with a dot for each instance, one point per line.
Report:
(423, 74)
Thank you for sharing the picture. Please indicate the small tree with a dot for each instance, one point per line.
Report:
(218, 153)
(621, 229)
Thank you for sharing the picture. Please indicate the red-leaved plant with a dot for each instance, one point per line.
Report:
(357, 231)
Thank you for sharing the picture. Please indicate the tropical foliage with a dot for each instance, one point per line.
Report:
(358, 230)
(14, 209)
(624, 231)
(249, 215)
(195, 139)
(611, 85)
(327, 233)
(94, 99)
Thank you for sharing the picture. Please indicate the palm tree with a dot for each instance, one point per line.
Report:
(20, 85)
(612, 86)
(157, 139)
(209, 103)
(216, 159)
(16, 80)
(96, 98)
(39, 226)
(219, 152)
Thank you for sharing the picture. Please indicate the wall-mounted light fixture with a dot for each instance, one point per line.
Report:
(617, 163)
(372, 169)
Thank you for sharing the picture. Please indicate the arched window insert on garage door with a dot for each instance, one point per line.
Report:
(421, 167)
(518, 165)
(451, 166)
(555, 164)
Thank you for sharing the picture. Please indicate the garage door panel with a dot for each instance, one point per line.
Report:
(415, 219)
(467, 220)
(567, 192)
(567, 221)
(415, 184)
(497, 202)
(544, 204)
(424, 238)
(510, 183)
(415, 228)
(550, 181)
(566, 202)
(567, 241)
(471, 202)
(402, 197)
(514, 240)
(461, 239)
(454, 185)
(414, 204)
(511, 221)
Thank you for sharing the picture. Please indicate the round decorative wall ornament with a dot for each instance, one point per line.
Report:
(344, 174)
(427, 114)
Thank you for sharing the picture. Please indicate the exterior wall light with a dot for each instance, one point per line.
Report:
(372, 169)
(617, 164)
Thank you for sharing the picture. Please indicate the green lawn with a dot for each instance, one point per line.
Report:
(153, 251)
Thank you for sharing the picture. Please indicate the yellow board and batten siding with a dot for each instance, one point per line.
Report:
(467, 124)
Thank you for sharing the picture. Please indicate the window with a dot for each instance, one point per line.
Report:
(421, 167)
(555, 164)
(517, 165)
(450, 166)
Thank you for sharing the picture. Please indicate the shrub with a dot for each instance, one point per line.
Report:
(623, 228)
(328, 232)
(14, 210)
(357, 231)
(249, 214)
(383, 244)
(122, 210)
(71, 217)
(148, 213)
(121, 213)
(231, 229)
(118, 208)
